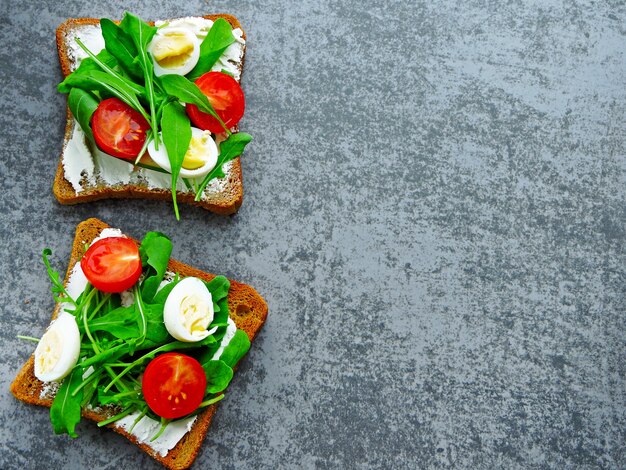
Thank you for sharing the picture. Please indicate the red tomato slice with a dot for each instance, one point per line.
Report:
(226, 97)
(112, 264)
(118, 129)
(173, 385)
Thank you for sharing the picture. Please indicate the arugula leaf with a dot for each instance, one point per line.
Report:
(221, 316)
(58, 290)
(110, 71)
(65, 409)
(114, 301)
(111, 354)
(124, 323)
(88, 392)
(206, 354)
(218, 376)
(141, 34)
(155, 251)
(218, 287)
(236, 348)
(157, 333)
(82, 104)
(188, 92)
(105, 82)
(139, 31)
(220, 36)
(141, 315)
(121, 46)
(176, 132)
(121, 323)
(88, 64)
(108, 398)
(230, 149)
(161, 296)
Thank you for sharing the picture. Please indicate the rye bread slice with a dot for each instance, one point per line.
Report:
(245, 306)
(226, 201)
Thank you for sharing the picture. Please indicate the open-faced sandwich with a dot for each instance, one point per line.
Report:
(153, 110)
(139, 343)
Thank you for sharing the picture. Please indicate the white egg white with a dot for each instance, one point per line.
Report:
(58, 349)
(189, 64)
(192, 293)
(161, 157)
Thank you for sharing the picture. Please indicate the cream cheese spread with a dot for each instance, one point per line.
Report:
(86, 166)
(231, 329)
(147, 427)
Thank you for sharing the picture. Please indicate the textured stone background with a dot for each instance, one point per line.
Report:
(434, 211)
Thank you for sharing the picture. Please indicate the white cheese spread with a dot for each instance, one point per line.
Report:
(75, 165)
(86, 166)
(231, 329)
(147, 428)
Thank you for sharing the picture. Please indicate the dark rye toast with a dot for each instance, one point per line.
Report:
(246, 307)
(227, 201)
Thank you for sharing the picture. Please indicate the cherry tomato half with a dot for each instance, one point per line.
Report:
(226, 97)
(173, 385)
(118, 129)
(112, 264)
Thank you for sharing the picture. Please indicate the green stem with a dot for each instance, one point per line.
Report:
(86, 381)
(174, 185)
(117, 396)
(121, 386)
(207, 179)
(153, 168)
(94, 344)
(145, 146)
(105, 298)
(144, 323)
(164, 423)
(153, 119)
(88, 294)
(124, 412)
(95, 359)
(28, 338)
(137, 419)
(54, 277)
(211, 401)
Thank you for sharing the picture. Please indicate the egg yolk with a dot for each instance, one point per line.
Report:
(194, 314)
(196, 153)
(172, 50)
(50, 352)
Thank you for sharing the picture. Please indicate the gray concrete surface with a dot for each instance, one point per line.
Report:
(434, 211)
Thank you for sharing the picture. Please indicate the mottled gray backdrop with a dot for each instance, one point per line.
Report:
(434, 211)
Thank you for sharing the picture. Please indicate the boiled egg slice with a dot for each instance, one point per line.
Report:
(174, 50)
(200, 158)
(188, 311)
(58, 349)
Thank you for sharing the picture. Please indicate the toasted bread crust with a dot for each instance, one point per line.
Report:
(246, 307)
(225, 203)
